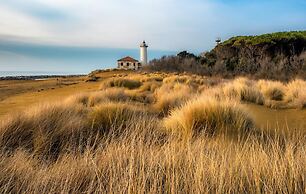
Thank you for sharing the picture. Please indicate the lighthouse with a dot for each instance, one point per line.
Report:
(144, 53)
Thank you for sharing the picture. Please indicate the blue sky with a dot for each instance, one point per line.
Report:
(167, 25)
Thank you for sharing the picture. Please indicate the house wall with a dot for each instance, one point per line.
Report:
(128, 65)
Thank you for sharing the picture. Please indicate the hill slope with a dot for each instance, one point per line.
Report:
(269, 55)
(279, 55)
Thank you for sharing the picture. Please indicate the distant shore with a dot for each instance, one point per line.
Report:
(37, 77)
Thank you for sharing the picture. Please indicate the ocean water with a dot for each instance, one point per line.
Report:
(35, 73)
(21, 59)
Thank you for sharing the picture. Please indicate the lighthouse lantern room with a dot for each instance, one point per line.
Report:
(143, 53)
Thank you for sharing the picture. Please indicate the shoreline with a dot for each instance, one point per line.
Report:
(38, 77)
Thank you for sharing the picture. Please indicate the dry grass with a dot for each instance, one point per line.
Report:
(191, 80)
(280, 95)
(273, 94)
(117, 140)
(121, 82)
(45, 129)
(209, 116)
(149, 86)
(296, 93)
(106, 95)
(244, 90)
(170, 96)
(272, 90)
(139, 165)
(112, 115)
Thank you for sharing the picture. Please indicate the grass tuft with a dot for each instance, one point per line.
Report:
(112, 116)
(296, 93)
(209, 116)
(170, 96)
(121, 82)
(272, 90)
(243, 90)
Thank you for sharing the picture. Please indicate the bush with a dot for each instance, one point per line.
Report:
(278, 56)
(176, 64)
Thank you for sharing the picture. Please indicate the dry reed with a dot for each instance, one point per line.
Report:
(114, 140)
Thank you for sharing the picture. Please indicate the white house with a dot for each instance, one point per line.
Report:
(129, 63)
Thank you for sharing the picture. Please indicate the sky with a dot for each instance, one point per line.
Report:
(51, 35)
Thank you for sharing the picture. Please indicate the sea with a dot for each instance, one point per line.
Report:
(35, 73)
(30, 59)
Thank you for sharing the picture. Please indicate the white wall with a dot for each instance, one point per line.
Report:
(128, 65)
(143, 55)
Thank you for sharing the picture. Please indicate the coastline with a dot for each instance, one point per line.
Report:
(38, 77)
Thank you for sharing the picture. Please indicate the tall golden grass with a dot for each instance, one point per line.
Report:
(171, 95)
(209, 116)
(243, 89)
(121, 82)
(272, 94)
(169, 135)
(296, 93)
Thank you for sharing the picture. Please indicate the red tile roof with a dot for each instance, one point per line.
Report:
(128, 59)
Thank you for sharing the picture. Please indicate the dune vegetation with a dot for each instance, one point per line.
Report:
(278, 56)
(156, 133)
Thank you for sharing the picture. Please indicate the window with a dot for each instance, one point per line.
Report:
(134, 64)
(121, 64)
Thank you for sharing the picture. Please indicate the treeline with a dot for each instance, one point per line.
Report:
(279, 56)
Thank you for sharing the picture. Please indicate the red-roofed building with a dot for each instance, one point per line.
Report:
(128, 63)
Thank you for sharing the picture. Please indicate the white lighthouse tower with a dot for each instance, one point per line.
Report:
(144, 53)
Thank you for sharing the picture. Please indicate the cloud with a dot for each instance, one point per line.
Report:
(67, 35)
(104, 23)
(14, 23)
(166, 24)
(38, 10)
